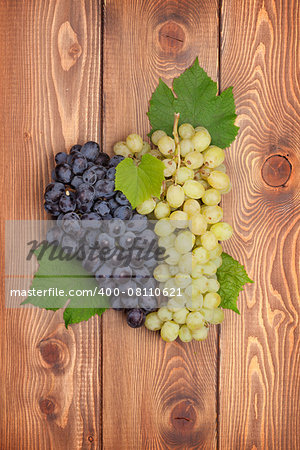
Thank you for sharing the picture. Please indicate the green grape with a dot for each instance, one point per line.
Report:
(228, 189)
(153, 322)
(170, 167)
(215, 252)
(120, 148)
(213, 285)
(182, 280)
(194, 160)
(186, 146)
(193, 189)
(209, 241)
(169, 286)
(195, 320)
(179, 316)
(209, 268)
(167, 241)
(157, 135)
(171, 256)
(179, 219)
(201, 284)
(161, 273)
(173, 270)
(197, 271)
(184, 242)
(184, 174)
(174, 304)
(163, 227)
(169, 331)
(200, 335)
(198, 224)
(175, 196)
(201, 139)
(191, 207)
(208, 314)
(191, 292)
(201, 181)
(146, 149)
(166, 145)
(213, 156)
(185, 334)
(134, 142)
(156, 153)
(221, 168)
(162, 210)
(185, 264)
(211, 300)
(146, 207)
(186, 131)
(205, 172)
(201, 255)
(222, 231)
(218, 180)
(217, 261)
(218, 316)
(212, 214)
(211, 197)
(164, 314)
(195, 303)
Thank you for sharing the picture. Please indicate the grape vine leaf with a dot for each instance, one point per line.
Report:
(232, 276)
(56, 274)
(198, 103)
(140, 182)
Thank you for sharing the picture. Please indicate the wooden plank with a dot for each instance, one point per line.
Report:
(50, 90)
(156, 395)
(260, 400)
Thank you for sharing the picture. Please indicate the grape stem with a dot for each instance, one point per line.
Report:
(177, 142)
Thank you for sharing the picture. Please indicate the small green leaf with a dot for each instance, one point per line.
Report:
(141, 182)
(232, 276)
(56, 274)
(198, 103)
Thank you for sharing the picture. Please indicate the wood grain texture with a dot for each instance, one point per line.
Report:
(156, 395)
(49, 99)
(260, 403)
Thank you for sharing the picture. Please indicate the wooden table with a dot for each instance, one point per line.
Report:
(78, 70)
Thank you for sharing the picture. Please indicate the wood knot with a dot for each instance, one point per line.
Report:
(171, 37)
(27, 135)
(47, 406)
(276, 170)
(183, 416)
(54, 354)
(91, 439)
(68, 46)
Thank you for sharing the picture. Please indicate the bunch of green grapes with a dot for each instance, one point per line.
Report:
(190, 228)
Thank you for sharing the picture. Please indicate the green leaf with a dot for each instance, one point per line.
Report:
(56, 274)
(141, 182)
(161, 111)
(198, 103)
(232, 276)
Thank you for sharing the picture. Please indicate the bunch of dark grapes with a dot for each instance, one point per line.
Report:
(99, 225)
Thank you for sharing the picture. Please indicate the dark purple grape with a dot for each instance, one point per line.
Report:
(127, 239)
(138, 223)
(54, 235)
(79, 164)
(107, 217)
(129, 302)
(122, 199)
(91, 265)
(113, 204)
(110, 174)
(85, 193)
(136, 318)
(104, 272)
(89, 176)
(63, 173)
(100, 172)
(115, 160)
(75, 148)
(53, 175)
(105, 188)
(52, 208)
(85, 207)
(53, 192)
(68, 243)
(91, 216)
(123, 213)
(102, 159)
(105, 242)
(115, 228)
(148, 303)
(90, 150)
(67, 202)
(101, 207)
(91, 238)
(61, 158)
(141, 274)
(71, 223)
(123, 274)
(116, 303)
(76, 181)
